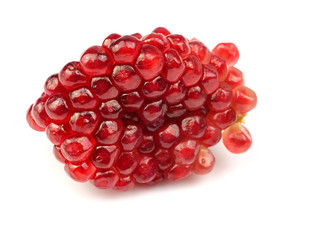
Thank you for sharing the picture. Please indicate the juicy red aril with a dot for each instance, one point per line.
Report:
(212, 135)
(71, 76)
(55, 133)
(124, 183)
(84, 122)
(125, 78)
(155, 125)
(194, 126)
(158, 40)
(228, 51)
(178, 172)
(108, 40)
(131, 101)
(193, 71)
(168, 135)
(125, 49)
(127, 162)
(80, 173)
(175, 93)
(157, 179)
(153, 111)
(234, 77)
(220, 64)
(185, 152)
(147, 144)
(32, 123)
(106, 180)
(204, 162)
(52, 85)
(58, 155)
(181, 44)
(96, 61)
(150, 62)
(111, 110)
(57, 108)
(132, 136)
(103, 157)
(82, 99)
(176, 111)
(195, 98)
(146, 169)
(137, 35)
(164, 158)
(155, 88)
(173, 66)
(244, 99)
(109, 131)
(237, 138)
(200, 51)
(221, 98)
(223, 119)
(103, 88)
(161, 30)
(210, 81)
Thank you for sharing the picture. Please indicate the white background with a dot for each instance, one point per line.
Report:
(270, 192)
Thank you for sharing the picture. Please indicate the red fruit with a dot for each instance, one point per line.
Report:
(55, 133)
(109, 131)
(228, 51)
(147, 144)
(153, 111)
(155, 88)
(125, 78)
(150, 62)
(137, 35)
(175, 93)
(108, 40)
(200, 50)
(131, 101)
(84, 122)
(223, 119)
(32, 123)
(204, 162)
(83, 99)
(96, 61)
(158, 40)
(52, 85)
(168, 135)
(244, 99)
(106, 180)
(132, 137)
(178, 172)
(212, 135)
(162, 30)
(194, 125)
(80, 173)
(181, 44)
(193, 71)
(146, 170)
(173, 66)
(127, 162)
(237, 138)
(57, 108)
(111, 110)
(195, 98)
(124, 183)
(103, 157)
(221, 98)
(234, 78)
(185, 152)
(176, 111)
(71, 76)
(58, 155)
(125, 49)
(38, 112)
(220, 64)
(103, 88)
(164, 158)
(210, 81)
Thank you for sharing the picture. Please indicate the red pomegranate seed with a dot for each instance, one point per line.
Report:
(193, 71)
(155, 125)
(146, 169)
(53, 86)
(185, 152)
(147, 144)
(244, 99)
(71, 76)
(175, 94)
(162, 30)
(200, 51)
(103, 157)
(210, 81)
(106, 180)
(111, 109)
(173, 66)
(155, 88)
(127, 162)
(83, 99)
(178, 172)
(80, 173)
(55, 133)
(221, 98)
(125, 49)
(132, 136)
(125, 78)
(32, 123)
(84, 122)
(204, 162)
(228, 51)
(153, 111)
(220, 64)
(237, 138)
(164, 158)
(195, 98)
(150, 62)
(109, 131)
(58, 155)
(96, 61)
(108, 40)
(131, 102)
(103, 88)
(56, 107)
(158, 40)
(167, 135)
(234, 78)
(124, 183)
(176, 111)
(137, 35)
(212, 135)
(194, 125)
(157, 179)
(181, 44)
(223, 119)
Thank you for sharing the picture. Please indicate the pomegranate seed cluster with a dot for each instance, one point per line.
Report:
(138, 110)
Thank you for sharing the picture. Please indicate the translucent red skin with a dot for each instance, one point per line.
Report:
(138, 110)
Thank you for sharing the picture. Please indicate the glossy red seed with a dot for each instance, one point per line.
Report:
(125, 49)
(84, 122)
(209, 81)
(108, 40)
(147, 144)
(96, 61)
(132, 136)
(173, 66)
(131, 102)
(220, 64)
(103, 88)
(106, 180)
(153, 111)
(194, 125)
(52, 85)
(80, 173)
(175, 93)
(38, 112)
(212, 135)
(57, 107)
(149, 62)
(146, 169)
(83, 99)
(77, 149)
(167, 135)
(228, 51)
(158, 40)
(234, 77)
(137, 35)
(109, 131)
(178, 172)
(193, 71)
(221, 98)
(32, 123)
(155, 88)
(157, 179)
(103, 157)
(176, 111)
(111, 109)
(195, 98)
(164, 158)
(204, 162)
(185, 151)
(71, 76)
(237, 138)
(200, 50)
(222, 119)
(244, 99)
(58, 155)
(155, 125)
(127, 162)
(124, 183)
(55, 133)
(125, 78)
(161, 30)
(181, 44)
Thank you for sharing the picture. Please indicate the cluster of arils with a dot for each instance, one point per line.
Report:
(138, 110)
